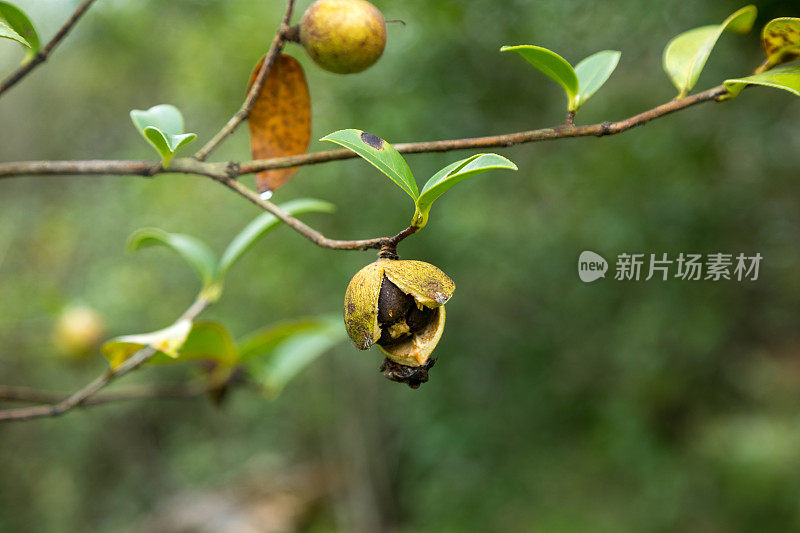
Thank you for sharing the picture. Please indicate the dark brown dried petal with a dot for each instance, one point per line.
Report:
(413, 376)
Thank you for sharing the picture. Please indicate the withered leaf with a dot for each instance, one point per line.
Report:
(280, 122)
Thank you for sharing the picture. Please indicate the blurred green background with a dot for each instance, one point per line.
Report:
(556, 406)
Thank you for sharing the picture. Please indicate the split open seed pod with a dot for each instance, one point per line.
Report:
(398, 305)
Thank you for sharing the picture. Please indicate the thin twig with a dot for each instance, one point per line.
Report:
(181, 390)
(252, 95)
(45, 52)
(307, 231)
(80, 397)
(226, 173)
(494, 141)
(233, 169)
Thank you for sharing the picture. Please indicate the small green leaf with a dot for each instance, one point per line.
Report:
(8, 33)
(786, 78)
(593, 72)
(18, 22)
(162, 126)
(686, 55)
(379, 154)
(291, 357)
(167, 341)
(290, 350)
(262, 225)
(781, 41)
(551, 65)
(266, 339)
(192, 250)
(452, 174)
(207, 341)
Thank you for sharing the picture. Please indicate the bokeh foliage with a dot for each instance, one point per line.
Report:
(555, 406)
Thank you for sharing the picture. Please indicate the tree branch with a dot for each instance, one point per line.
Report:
(45, 52)
(252, 95)
(564, 131)
(307, 231)
(82, 396)
(226, 173)
(25, 394)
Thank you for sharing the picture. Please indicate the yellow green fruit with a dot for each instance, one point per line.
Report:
(78, 331)
(398, 305)
(343, 36)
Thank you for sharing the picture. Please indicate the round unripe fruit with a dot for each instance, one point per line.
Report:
(78, 331)
(343, 36)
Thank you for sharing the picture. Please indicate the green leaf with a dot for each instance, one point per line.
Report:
(192, 250)
(8, 33)
(265, 340)
(289, 350)
(291, 357)
(168, 341)
(13, 18)
(686, 55)
(593, 72)
(379, 154)
(781, 40)
(261, 225)
(162, 126)
(786, 78)
(207, 341)
(452, 174)
(551, 65)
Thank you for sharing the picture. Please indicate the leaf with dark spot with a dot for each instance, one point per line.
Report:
(781, 40)
(379, 154)
(372, 140)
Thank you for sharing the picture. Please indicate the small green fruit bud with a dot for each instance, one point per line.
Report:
(343, 36)
(78, 331)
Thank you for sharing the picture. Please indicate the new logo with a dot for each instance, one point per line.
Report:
(591, 266)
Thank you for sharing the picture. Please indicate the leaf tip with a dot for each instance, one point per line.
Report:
(136, 238)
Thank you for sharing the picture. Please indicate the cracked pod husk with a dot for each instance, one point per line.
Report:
(398, 305)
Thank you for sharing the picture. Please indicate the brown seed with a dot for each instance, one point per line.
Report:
(393, 304)
(387, 339)
(394, 333)
(419, 318)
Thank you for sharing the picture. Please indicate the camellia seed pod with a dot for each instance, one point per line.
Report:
(343, 36)
(398, 305)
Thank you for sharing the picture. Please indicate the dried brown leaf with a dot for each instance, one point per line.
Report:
(280, 122)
